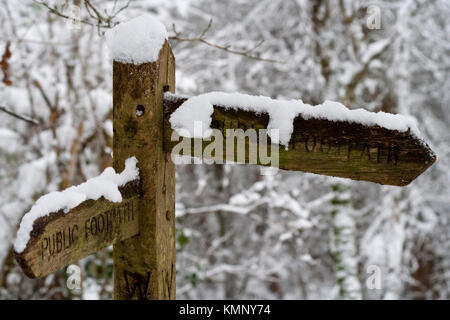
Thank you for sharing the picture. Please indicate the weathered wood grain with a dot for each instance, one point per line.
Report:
(60, 239)
(340, 149)
(144, 266)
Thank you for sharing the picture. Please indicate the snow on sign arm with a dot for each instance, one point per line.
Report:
(136, 41)
(327, 139)
(67, 225)
(282, 114)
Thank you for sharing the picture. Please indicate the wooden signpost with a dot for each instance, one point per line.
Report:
(142, 226)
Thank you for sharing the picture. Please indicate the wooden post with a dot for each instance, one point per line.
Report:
(144, 265)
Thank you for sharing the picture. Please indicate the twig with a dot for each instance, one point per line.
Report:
(100, 20)
(44, 95)
(201, 38)
(47, 43)
(98, 15)
(120, 9)
(18, 116)
(62, 15)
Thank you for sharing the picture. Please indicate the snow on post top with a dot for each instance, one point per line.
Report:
(282, 114)
(105, 185)
(137, 41)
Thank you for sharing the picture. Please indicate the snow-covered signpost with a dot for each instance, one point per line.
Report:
(139, 216)
(135, 210)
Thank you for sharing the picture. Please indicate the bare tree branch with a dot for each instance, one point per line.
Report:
(202, 39)
(18, 116)
(98, 19)
(62, 15)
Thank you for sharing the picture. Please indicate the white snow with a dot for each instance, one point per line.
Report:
(32, 176)
(105, 185)
(375, 48)
(136, 41)
(9, 140)
(10, 214)
(198, 109)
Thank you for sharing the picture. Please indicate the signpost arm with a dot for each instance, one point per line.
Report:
(335, 148)
(144, 265)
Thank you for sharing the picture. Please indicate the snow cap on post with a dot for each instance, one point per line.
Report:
(137, 41)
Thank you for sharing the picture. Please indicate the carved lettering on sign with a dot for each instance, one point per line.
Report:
(348, 149)
(99, 227)
(344, 148)
(137, 284)
(59, 241)
(169, 280)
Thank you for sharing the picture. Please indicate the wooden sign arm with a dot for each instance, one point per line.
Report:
(333, 148)
(59, 239)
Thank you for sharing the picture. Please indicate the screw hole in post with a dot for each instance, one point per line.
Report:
(140, 110)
